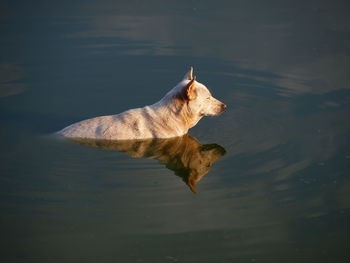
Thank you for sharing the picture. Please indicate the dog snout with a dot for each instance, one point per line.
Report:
(223, 106)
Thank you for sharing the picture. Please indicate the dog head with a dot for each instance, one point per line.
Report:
(197, 98)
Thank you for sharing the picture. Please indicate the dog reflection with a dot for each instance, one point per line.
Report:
(184, 155)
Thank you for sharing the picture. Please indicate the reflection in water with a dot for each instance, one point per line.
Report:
(185, 155)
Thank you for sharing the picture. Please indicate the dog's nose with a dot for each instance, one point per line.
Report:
(223, 106)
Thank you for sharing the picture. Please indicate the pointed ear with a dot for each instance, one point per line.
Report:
(190, 90)
(189, 75)
(192, 186)
(191, 183)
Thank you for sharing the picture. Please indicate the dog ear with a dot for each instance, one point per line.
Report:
(190, 91)
(189, 74)
(192, 185)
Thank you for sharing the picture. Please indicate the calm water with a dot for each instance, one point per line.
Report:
(271, 174)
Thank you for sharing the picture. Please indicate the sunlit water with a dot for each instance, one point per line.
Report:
(271, 174)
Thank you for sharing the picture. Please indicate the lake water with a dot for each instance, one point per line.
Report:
(272, 176)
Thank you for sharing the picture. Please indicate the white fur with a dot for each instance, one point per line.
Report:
(179, 110)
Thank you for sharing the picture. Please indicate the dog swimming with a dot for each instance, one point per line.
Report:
(178, 111)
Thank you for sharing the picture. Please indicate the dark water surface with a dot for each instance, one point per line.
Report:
(271, 173)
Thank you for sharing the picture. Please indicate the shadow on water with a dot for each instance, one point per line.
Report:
(185, 155)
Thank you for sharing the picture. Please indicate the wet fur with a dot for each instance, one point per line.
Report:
(172, 116)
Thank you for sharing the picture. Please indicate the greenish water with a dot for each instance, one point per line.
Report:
(271, 174)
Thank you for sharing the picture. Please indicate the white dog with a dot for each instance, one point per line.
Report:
(179, 110)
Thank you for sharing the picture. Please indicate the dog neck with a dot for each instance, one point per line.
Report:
(175, 113)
